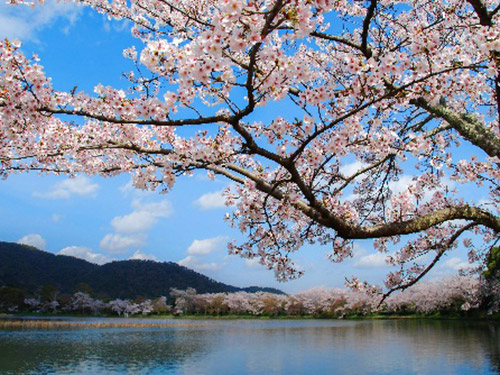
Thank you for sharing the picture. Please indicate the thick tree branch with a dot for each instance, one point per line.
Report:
(366, 27)
(482, 12)
(366, 51)
(348, 230)
(467, 125)
(136, 121)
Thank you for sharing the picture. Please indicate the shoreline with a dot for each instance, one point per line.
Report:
(64, 321)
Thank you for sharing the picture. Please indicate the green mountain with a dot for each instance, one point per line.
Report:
(29, 269)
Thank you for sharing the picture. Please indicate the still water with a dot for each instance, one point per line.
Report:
(265, 347)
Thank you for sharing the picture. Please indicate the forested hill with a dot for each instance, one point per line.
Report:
(29, 269)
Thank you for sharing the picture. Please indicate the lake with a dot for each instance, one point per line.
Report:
(265, 347)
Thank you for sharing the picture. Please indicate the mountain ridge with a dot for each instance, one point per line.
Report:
(29, 268)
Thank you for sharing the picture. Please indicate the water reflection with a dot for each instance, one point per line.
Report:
(260, 347)
(84, 351)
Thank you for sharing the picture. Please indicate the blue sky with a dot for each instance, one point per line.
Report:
(107, 219)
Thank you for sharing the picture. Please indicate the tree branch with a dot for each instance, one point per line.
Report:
(366, 27)
(438, 256)
(467, 125)
(482, 12)
(117, 120)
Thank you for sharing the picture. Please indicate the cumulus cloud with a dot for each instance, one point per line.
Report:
(139, 255)
(24, 22)
(401, 184)
(199, 250)
(351, 168)
(206, 246)
(86, 254)
(253, 263)
(195, 263)
(80, 185)
(131, 229)
(34, 240)
(211, 201)
(143, 218)
(119, 244)
(456, 264)
(376, 260)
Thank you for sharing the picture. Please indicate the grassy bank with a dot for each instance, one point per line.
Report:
(28, 324)
(26, 321)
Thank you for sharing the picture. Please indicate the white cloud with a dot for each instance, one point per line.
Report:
(456, 264)
(194, 263)
(199, 249)
(79, 185)
(376, 260)
(401, 184)
(86, 254)
(211, 200)
(130, 230)
(351, 168)
(34, 240)
(56, 218)
(485, 201)
(407, 180)
(117, 26)
(139, 255)
(143, 218)
(253, 263)
(206, 246)
(127, 188)
(25, 22)
(118, 244)
(134, 222)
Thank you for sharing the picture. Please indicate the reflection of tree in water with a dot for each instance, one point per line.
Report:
(433, 341)
(493, 344)
(387, 346)
(393, 347)
(93, 350)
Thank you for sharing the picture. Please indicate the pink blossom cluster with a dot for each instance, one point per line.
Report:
(451, 295)
(455, 295)
(83, 303)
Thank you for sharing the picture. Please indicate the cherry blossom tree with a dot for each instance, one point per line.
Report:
(145, 307)
(241, 303)
(84, 303)
(120, 306)
(454, 294)
(33, 304)
(320, 301)
(490, 294)
(184, 300)
(314, 110)
(160, 306)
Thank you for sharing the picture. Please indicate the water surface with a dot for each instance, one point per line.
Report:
(285, 347)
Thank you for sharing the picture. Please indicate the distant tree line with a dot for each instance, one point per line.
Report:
(456, 295)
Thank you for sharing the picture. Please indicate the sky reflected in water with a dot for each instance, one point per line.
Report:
(259, 347)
